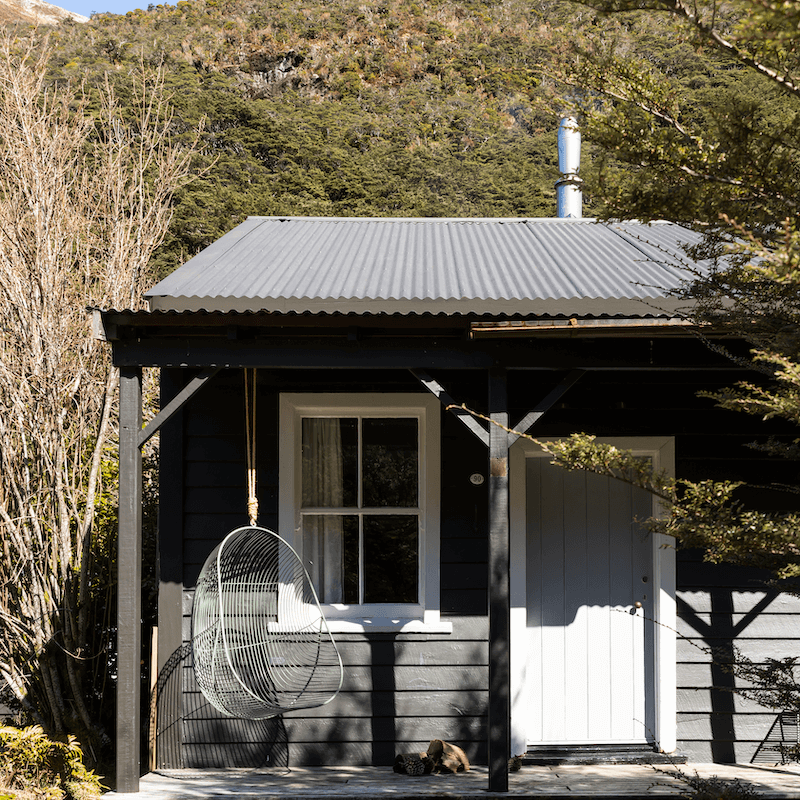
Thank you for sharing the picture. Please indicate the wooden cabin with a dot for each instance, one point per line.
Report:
(477, 593)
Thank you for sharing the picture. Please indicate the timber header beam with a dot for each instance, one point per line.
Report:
(408, 353)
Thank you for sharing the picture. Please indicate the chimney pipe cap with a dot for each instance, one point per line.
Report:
(569, 146)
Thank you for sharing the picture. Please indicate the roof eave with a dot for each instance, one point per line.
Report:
(511, 307)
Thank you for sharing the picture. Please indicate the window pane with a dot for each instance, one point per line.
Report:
(330, 463)
(390, 463)
(330, 554)
(390, 558)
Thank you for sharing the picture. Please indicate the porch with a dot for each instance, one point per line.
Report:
(608, 781)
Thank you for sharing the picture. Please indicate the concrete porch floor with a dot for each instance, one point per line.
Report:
(351, 783)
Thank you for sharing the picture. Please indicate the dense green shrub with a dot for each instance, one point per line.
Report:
(30, 761)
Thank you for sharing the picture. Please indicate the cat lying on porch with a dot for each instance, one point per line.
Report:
(441, 757)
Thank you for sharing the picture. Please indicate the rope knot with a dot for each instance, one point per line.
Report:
(250, 423)
(252, 509)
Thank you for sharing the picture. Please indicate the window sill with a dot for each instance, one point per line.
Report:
(387, 625)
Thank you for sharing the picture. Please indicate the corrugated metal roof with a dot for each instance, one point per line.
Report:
(415, 266)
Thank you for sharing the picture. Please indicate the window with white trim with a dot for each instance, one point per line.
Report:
(359, 486)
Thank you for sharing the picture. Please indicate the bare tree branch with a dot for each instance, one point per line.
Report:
(84, 201)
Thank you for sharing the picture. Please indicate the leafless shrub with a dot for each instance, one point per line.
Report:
(84, 200)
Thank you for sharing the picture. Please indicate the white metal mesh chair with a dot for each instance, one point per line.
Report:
(261, 643)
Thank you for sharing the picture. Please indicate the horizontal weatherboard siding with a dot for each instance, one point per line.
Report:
(401, 690)
(724, 610)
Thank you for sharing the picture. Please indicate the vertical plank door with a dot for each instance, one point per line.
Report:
(589, 562)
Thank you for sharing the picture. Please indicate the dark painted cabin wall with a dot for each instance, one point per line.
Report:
(402, 690)
(720, 607)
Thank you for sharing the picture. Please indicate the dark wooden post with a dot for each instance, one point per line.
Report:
(129, 580)
(499, 598)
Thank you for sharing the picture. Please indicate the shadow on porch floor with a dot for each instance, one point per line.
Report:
(357, 783)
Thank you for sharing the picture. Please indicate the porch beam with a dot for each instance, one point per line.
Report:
(177, 402)
(403, 353)
(330, 354)
(438, 391)
(129, 580)
(532, 417)
(499, 597)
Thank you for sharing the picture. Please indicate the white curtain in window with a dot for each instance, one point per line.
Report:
(323, 487)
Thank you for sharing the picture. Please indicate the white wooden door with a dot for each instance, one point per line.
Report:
(589, 563)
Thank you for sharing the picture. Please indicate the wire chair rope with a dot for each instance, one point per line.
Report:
(260, 639)
(250, 438)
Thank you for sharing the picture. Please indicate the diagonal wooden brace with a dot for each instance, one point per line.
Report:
(439, 391)
(532, 417)
(175, 405)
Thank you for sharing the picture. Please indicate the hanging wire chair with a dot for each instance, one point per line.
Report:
(261, 643)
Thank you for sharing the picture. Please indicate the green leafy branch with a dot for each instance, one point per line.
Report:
(699, 514)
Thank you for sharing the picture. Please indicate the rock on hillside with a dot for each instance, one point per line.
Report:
(35, 12)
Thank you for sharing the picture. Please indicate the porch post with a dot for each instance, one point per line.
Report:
(499, 599)
(129, 579)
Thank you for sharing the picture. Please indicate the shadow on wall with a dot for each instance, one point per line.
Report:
(399, 694)
(718, 630)
(782, 740)
(187, 732)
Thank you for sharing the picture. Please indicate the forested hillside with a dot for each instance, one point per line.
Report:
(387, 108)
(397, 107)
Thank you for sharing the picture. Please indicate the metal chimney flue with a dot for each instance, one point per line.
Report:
(569, 197)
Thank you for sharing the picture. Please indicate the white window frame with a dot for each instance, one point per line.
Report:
(424, 616)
